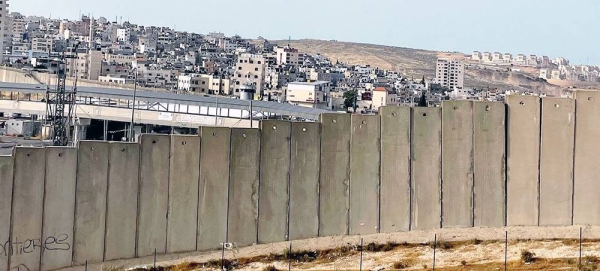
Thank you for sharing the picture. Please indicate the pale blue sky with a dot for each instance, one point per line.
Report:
(544, 27)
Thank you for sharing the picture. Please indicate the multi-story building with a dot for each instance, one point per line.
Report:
(126, 59)
(86, 65)
(309, 94)
(507, 57)
(450, 73)
(486, 57)
(521, 59)
(124, 35)
(383, 96)
(249, 68)
(288, 56)
(3, 27)
(476, 56)
(497, 57)
(41, 44)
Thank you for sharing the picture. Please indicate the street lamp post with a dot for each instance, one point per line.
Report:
(131, 125)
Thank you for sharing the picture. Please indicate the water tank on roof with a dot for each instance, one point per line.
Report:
(247, 91)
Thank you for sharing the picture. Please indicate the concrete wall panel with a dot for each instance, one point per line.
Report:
(334, 178)
(364, 174)
(274, 181)
(183, 193)
(154, 194)
(457, 164)
(27, 208)
(523, 139)
(304, 180)
(489, 164)
(395, 169)
(121, 212)
(556, 161)
(59, 207)
(587, 162)
(6, 183)
(90, 202)
(214, 186)
(426, 168)
(243, 186)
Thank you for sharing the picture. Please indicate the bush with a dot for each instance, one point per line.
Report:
(399, 265)
(527, 256)
(463, 262)
(270, 268)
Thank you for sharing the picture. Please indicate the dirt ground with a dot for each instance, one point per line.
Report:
(555, 248)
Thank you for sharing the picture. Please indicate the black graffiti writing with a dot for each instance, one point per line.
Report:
(57, 243)
(27, 246)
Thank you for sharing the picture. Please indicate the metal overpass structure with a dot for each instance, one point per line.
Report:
(155, 108)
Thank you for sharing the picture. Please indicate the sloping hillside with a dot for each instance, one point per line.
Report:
(416, 63)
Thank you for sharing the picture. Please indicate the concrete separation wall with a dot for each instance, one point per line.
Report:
(27, 208)
(523, 139)
(457, 161)
(243, 187)
(465, 164)
(364, 174)
(214, 187)
(274, 181)
(395, 169)
(335, 174)
(59, 207)
(122, 201)
(6, 184)
(556, 161)
(90, 202)
(304, 180)
(587, 148)
(426, 168)
(489, 164)
(184, 174)
(153, 199)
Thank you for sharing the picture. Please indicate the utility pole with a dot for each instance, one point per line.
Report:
(60, 104)
(131, 125)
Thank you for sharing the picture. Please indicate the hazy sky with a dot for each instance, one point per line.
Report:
(543, 27)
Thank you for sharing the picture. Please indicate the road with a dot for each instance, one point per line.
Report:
(8, 143)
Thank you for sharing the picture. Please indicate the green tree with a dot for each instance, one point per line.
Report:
(423, 100)
(350, 99)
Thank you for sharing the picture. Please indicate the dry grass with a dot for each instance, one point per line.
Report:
(464, 255)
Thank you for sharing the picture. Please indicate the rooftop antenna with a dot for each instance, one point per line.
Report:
(289, 41)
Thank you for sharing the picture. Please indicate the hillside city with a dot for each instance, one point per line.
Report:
(123, 53)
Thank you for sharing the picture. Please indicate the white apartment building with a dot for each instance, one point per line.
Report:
(184, 81)
(476, 56)
(450, 73)
(3, 27)
(486, 57)
(497, 57)
(249, 68)
(124, 35)
(309, 94)
(384, 97)
(288, 56)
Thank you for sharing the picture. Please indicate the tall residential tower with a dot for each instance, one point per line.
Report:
(450, 73)
(3, 27)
